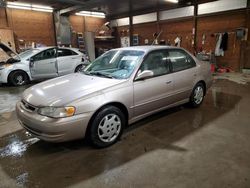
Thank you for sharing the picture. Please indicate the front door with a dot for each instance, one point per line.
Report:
(44, 64)
(156, 92)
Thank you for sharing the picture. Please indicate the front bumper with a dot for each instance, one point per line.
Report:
(52, 129)
(3, 75)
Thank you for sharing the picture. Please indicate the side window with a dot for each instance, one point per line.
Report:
(65, 52)
(46, 54)
(180, 60)
(156, 61)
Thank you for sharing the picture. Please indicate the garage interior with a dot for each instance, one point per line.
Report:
(179, 147)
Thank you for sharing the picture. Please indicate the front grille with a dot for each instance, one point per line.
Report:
(28, 106)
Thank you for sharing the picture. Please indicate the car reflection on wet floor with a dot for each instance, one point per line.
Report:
(170, 142)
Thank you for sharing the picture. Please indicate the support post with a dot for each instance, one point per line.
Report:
(195, 25)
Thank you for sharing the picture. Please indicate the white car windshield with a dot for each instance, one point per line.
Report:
(118, 64)
(28, 53)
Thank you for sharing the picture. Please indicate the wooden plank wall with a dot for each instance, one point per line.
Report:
(7, 37)
(81, 24)
(211, 25)
(31, 26)
(3, 21)
(145, 31)
(182, 29)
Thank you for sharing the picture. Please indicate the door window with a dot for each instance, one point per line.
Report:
(180, 60)
(65, 52)
(156, 61)
(46, 54)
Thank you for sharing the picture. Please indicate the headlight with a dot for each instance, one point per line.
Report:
(6, 65)
(57, 112)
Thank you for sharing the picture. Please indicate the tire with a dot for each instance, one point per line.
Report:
(103, 130)
(18, 78)
(197, 95)
(79, 68)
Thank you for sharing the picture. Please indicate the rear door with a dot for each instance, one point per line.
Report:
(67, 60)
(156, 92)
(44, 64)
(184, 73)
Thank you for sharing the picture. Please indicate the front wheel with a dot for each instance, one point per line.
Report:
(79, 68)
(197, 95)
(18, 78)
(107, 127)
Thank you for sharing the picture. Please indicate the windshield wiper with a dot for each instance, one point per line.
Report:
(100, 74)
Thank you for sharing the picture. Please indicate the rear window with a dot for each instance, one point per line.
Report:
(180, 60)
(65, 52)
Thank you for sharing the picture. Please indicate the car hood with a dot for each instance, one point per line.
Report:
(63, 90)
(9, 51)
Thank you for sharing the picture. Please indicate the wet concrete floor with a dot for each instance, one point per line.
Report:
(180, 147)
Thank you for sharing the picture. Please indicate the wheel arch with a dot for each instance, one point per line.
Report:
(119, 105)
(12, 71)
(204, 84)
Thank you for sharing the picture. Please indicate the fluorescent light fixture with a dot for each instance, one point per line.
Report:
(172, 1)
(42, 7)
(91, 14)
(18, 7)
(19, 4)
(27, 6)
(42, 10)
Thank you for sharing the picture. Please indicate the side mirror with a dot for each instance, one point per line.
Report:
(31, 62)
(144, 74)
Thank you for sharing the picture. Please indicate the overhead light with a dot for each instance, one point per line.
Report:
(91, 14)
(42, 7)
(42, 10)
(27, 6)
(19, 7)
(19, 4)
(172, 1)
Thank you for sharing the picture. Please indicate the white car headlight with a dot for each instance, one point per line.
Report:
(6, 65)
(57, 112)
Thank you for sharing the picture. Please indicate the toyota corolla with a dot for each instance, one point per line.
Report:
(120, 87)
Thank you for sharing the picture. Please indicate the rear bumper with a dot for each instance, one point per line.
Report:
(51, 129)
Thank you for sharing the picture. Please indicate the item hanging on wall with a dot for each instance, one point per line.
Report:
(168, 42)
(177, 42)
(241, 34)
(218, 50)
(224, 42)
(135, 39)
(125, 42)
(203, 39)
(146, 41)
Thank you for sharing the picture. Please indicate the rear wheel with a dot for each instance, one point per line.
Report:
(197, 95)
(107, 127)
(18, 78)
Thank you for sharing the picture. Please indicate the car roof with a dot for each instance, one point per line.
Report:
(148, 48)
(48, 47)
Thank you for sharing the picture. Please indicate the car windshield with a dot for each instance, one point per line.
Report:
(118, 64)
(28, 53)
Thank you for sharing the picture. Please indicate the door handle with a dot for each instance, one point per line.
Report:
(168, 82)
(51, 62)
(195, 74)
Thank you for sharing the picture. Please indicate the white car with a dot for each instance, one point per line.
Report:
(39, 63)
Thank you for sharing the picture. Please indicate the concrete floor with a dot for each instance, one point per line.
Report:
(180, 147)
